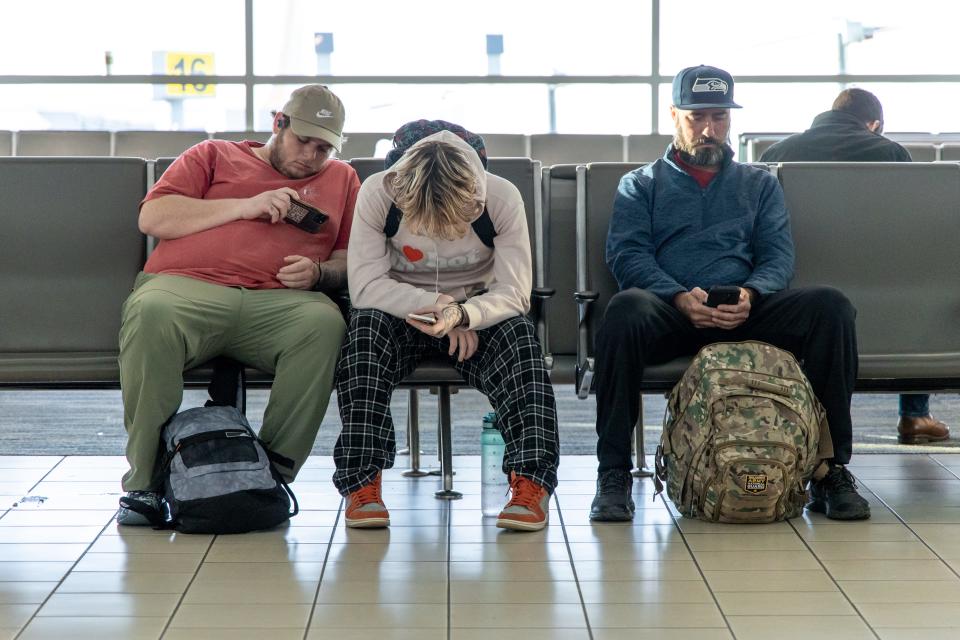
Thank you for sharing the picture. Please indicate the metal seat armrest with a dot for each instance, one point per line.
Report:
(584, 370)
(538, 315)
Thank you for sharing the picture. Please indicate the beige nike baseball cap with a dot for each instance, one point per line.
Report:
(316, 112)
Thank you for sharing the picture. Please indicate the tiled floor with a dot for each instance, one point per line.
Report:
(67, 571)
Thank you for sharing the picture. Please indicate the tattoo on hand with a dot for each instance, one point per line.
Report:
(452, 316)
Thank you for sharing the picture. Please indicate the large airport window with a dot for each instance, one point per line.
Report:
(306, 37)
(384, 107)
(759, 37)
(118, 107)
(603, 108)
(66, 37)
(918, 106)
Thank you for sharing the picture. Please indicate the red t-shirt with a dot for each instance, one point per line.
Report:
(702, 176)
(248, 253)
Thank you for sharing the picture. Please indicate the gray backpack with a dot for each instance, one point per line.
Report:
(218, 477)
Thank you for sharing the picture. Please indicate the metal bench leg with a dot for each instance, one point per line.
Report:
(641, 471)
(446, 447)
(413, 437)
(412, 408)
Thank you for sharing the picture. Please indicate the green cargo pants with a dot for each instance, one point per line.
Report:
(172, 323)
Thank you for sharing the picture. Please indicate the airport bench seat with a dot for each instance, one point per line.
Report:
(857, 227)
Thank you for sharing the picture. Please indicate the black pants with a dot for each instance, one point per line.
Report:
(816, 324)
(508, 368)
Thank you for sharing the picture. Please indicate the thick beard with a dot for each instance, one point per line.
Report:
(703, 156)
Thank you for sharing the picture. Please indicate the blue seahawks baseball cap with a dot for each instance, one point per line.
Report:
(703, 87)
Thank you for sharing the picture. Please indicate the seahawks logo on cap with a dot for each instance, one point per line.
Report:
(702, 85)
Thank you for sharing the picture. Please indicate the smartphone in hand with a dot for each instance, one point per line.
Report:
(723, 295)
(303, 216)
(422, 318)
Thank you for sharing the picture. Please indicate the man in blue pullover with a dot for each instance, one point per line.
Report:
(693, 220)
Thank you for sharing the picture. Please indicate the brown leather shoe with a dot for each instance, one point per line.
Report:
(921, 430)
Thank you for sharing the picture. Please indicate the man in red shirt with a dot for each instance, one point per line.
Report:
(230, 277)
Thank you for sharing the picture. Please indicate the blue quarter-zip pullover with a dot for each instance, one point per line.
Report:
(667, 235)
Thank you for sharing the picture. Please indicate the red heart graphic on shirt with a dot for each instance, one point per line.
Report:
(413, 255)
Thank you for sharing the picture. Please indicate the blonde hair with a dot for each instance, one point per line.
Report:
(435, 186)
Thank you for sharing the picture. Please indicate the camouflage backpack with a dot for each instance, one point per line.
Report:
(742, 435)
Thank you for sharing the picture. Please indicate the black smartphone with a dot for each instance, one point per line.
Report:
(304, 216)
(723, 295)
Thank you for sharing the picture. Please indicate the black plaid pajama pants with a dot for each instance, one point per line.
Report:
(381, 350)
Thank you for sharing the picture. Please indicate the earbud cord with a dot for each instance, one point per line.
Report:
(436, 253)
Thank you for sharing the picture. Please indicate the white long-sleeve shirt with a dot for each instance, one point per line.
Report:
(407, 272)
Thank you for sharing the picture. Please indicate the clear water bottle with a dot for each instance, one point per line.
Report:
(493, 482)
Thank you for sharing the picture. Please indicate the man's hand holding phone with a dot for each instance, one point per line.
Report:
(272, 205)
(723, 308)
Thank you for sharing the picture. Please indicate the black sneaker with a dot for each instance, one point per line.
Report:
(614, 502)
(131, 518)
(836, 496)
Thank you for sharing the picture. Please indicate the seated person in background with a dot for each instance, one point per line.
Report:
(419, 245)
(229, 277)
(689, 221)
(850, 132)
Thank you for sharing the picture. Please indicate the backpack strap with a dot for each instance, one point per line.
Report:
(293, 498)
(393, 221)
(482, 226)
(275, 459)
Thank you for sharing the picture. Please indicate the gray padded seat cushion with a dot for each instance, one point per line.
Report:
(560, 220)
(63, 143)
(366, 167)
(560, 148)
(507, 145)
(950, 152)
(601, 190)
(884, 234)
(662, 377)
(240, 136)
(524, 174)
(647, 148)
(155, 144)
(361, 145)
(161, 165)
(72, 266)
(433, 369)
(921, 152)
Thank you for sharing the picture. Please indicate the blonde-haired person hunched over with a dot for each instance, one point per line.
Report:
(415, 248)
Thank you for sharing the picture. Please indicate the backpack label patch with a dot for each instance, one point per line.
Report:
(755, 484)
